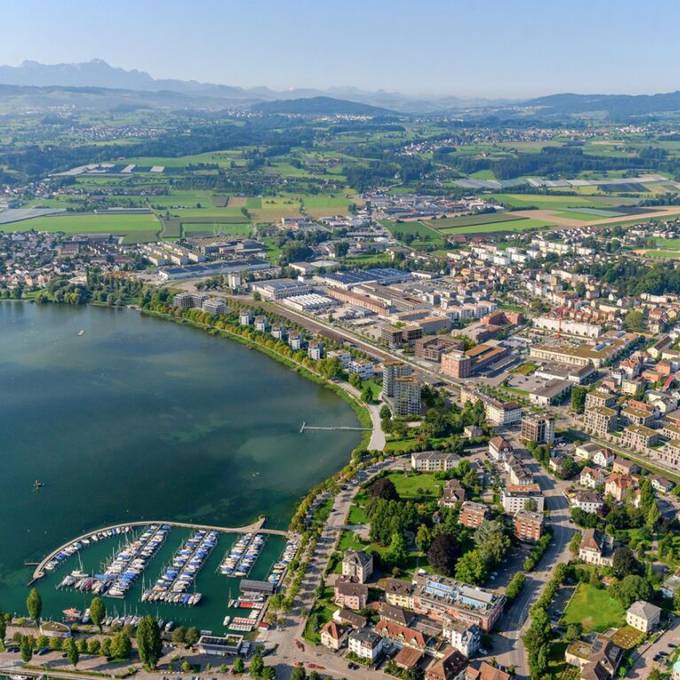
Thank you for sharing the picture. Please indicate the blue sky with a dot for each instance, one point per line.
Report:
(461, 47)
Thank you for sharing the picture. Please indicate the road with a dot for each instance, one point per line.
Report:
(287, 652)
(508, 648)
(644, 663)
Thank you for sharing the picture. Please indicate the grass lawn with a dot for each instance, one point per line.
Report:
(357, 515)
(594, 609)
(525, 369)
(399, 445)
(668, 243)
(376, 388)
(142, 227)
(416, 485)
(350, 541)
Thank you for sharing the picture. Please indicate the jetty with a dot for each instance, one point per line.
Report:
(333, 428)
(257, 526)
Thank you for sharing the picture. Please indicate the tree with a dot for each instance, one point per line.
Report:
(634, 321)
(149, 642)
(653, 516)
(105, 648)
(492, 543)
(256, 666)
(397, 553)
(238, 665)
(72, 653)
(578, 398)
(423, 537)
(630, 589)
(179, 635)
(573, 632)
(26, 649)
(3, 626)
(443, 553)
(93, 646)
(385, 413)
(531, 505)
(269, 673)
(192, 636)
(384, 488)
(298, 673)
(34, 605)
(366, 394)
(624, 562)
(97, 611)
(676, 600)
(471, 567)
(121, 646)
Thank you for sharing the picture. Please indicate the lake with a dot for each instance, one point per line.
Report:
(139, 418)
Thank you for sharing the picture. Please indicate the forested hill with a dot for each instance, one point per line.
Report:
(615, 105)
(320, 106)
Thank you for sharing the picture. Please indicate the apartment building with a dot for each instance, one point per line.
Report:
(433, 461)
(528, 525)
(538, 428)
(515, 498)
(472, 514)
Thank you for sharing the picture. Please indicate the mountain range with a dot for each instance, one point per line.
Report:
(96, 84)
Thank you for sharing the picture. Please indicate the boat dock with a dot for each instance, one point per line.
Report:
(39, 571)
(332, 428)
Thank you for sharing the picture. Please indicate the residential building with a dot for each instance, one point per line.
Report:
(453, 494)
(391, 371)
(295, 341)
(399, 615)
(472, 514)
(315, 350)
(502, 413)
(402, 635)
(638, 437)
(620, 486)
(333, 635)
(595, 548)
(515, 498)
(591, 478)
(538, 428)
(261, 324)
(624, 466)
(643, 616)
(449, 667)
(661, 484)
(440, 597)
(481, 670)
(365, 644)
(346, 617)
(499, 448)
(604, 458)
(214, 306)
(462, 636)
(357, 565)
(434, 461)
(349, 594)
(408, 658)
(399, 593)
(598, 660)
(598, 399)
(245, 318)
(528, 525)
(600, 420)
(588, 501)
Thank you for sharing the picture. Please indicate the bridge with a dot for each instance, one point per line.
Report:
(333, 428)
(257, 526)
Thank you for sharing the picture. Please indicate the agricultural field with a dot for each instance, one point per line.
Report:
(516, 226)
(421, 231)
(468, 220)
(135, 227)
(215, 228)
(557, 202)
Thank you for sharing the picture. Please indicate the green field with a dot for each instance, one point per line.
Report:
(556, 202)
(419, 230)
(594, 609)
(468, 220)
(668, 243)
(508, 225)
(226, 228)
(416, 485)
(135, 227)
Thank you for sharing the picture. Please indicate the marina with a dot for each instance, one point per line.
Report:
(240, 559)
(213, 461)
(178, 577)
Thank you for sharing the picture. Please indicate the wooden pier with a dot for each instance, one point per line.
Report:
(332, 428)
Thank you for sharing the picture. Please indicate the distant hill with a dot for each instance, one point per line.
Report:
(614, 105)
(321, 106)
